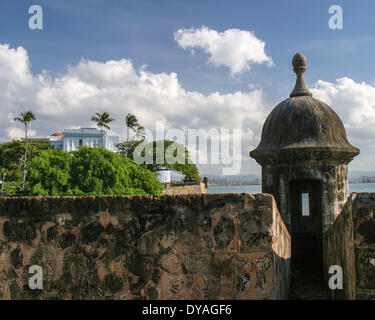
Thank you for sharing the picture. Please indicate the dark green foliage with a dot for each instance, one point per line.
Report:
(40, 143)
(172, 150)
(12, 156)
(11, 188)
(126, 148)
(49, 173)
(88, 171)
(176, 156)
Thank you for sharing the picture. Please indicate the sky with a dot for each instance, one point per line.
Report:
(192, 64)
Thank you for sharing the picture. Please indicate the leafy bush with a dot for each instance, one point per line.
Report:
(49, 174)
(11, 188)
(88, 171)
(12, 157)
(171, 151)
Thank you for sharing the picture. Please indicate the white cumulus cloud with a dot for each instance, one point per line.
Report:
(355, 104)
(69, 100)
(234, 48)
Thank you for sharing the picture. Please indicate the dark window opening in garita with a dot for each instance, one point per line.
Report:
(305, 204)
(306, 224)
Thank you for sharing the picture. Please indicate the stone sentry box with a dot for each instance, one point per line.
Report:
(233, 246)
(304, 149)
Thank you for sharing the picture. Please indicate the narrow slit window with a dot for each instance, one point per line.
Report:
(305, 204)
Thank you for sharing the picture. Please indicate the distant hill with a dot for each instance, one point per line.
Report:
(235, 177)
(358, 174)
(236, 180)
(253, 179)
(362, 176)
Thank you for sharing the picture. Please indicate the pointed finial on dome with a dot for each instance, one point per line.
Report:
(299, 67)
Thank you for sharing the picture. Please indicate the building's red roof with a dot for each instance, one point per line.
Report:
(57, 134)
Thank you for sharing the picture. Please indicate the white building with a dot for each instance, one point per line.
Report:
(167, 175)
(71, 139)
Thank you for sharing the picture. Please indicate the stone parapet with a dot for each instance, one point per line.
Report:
(232, 246)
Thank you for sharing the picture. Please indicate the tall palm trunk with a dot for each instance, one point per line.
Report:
(25, 159)
(3, 181)
(101, 130)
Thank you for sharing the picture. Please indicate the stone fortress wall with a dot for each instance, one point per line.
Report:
(179, 189)
(228, 246)
(350, 243)
(232, 246)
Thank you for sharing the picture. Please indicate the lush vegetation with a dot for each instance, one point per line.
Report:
(11, 188)
(12, 159)
(25, 118)
(176, 156)
(88, 171)
(31, 167)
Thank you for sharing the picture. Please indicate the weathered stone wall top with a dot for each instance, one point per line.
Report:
(363, 211)
(198, 188)
(89, 205)
(364, 219)
(164, 247)
(350, 243)
(339, 250)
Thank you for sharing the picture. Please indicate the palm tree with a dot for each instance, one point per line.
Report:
(132, 123)
(101, 120)
(140, 132)
(3, 172)
(25, 118)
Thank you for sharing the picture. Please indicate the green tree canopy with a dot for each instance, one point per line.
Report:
(89, 171)
(175, 155)
(12, 157)
(49, 173)
(126, 148)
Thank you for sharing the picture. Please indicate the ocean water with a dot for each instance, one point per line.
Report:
(353, 187)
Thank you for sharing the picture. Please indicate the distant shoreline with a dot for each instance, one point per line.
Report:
(233, 185)
(259, 184)
(361, 181)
